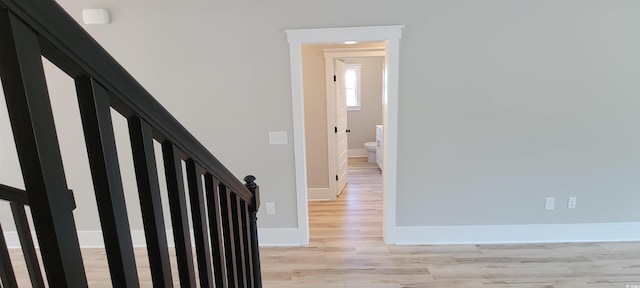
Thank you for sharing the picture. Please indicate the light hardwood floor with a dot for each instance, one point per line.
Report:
(346, 250)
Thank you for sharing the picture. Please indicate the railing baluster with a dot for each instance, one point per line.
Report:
(215, 230)
(150, 202)
(253, 211)
(179, 218)
(93, 100)
(199, 218)
(27, 30)
(246, 244)
(26, 242)
(7, 275)
(229, 237)
(36, 141)
(239, 235)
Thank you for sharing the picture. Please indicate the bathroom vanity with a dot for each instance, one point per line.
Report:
(379, 143)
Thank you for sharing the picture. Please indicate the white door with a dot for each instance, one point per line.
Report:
(341, 126)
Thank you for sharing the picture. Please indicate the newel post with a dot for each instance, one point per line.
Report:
(253, 210)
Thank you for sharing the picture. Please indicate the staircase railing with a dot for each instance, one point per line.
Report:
(222, 209)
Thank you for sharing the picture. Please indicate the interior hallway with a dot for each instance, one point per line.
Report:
(346, 250)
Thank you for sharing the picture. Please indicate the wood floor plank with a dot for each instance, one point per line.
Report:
(346, 250)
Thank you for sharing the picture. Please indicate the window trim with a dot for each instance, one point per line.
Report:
(358, 70)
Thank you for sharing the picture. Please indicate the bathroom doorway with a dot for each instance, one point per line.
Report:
(390, 35)
(358, 102)
(329, 100)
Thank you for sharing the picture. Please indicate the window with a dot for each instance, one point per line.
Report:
(352, 83)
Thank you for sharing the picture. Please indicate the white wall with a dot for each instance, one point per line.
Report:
(502, 103)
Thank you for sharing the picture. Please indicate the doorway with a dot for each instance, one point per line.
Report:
(329, 99)
(339, 108)
(390, 35)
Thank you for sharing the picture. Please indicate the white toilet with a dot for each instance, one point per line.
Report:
(371, 148)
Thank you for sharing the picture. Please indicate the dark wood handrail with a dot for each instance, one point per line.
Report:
(15, 195)
(76, 52)
(20, 197)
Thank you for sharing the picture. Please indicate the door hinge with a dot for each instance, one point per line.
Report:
(336, 129)
(335, 78)
(336, 177)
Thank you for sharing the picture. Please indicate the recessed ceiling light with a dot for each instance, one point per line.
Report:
(349, 42)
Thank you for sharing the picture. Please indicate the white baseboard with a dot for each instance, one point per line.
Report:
(357, 153)
(11, 237)
(93, 239)
(421, 235)
(320, 194)
(90, 239)
(498, 234)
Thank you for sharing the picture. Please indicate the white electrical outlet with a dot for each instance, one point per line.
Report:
(550, 204)
(571, 204)
(271, 208)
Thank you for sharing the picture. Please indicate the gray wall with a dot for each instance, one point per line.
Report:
(501, 102)
(315, 115)
(9, 168)
(362, 123)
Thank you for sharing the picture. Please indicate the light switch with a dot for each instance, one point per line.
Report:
(271, 208)
(278, 137)
(550, 203)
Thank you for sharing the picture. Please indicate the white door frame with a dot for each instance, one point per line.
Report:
(391, 36)
(330, 55)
